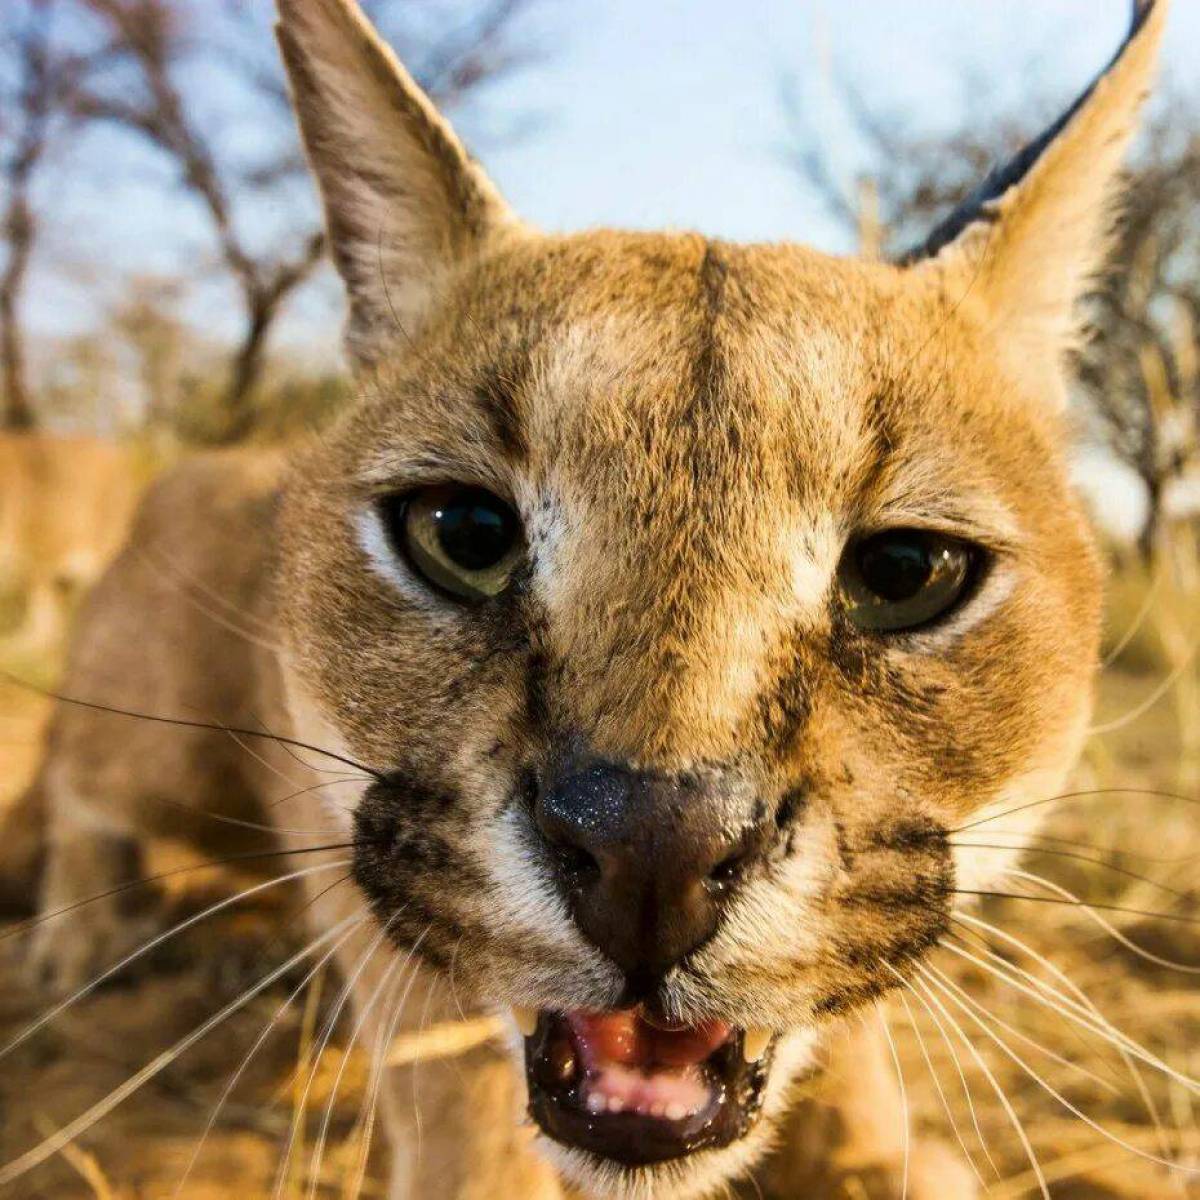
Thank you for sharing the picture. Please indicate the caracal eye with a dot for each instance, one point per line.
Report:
(901, 579)
(461, 539)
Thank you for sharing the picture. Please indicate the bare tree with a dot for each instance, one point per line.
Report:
(158, 39)
(39, 75)
(1137, 370)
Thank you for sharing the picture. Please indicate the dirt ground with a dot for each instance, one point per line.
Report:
(142, 1149)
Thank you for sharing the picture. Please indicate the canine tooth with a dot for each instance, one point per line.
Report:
(526, 1019)
(755, 1043)
(595, 1102)
(676, 1111)
(616, 1104)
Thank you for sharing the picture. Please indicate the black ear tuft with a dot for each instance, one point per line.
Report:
(976, 206)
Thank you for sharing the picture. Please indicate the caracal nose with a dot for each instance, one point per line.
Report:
(647, 860)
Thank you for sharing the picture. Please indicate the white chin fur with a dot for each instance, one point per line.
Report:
(703, 1173)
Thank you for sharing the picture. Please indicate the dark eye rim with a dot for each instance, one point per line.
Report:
(392, 510)
(980, 561)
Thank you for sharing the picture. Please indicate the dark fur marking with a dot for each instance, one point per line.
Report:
(499, 390)
(979, 206)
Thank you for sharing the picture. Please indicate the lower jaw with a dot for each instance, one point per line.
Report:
(559, 1104)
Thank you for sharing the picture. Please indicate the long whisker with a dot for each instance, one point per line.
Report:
(962, 1075)
(316, 787)
(1108, 927)
(146, 880)
(239, 822)
(973, 938)
(1055, 1001)
(1029, 840)
(1065, 1063)
(261, 758)
(380, 1065)
(295, 757)
(362, 1131)
(322, 1045)
(1144, 610)
(1017, 943)
(1088, 794)
(415, 1068)
(318, 1154)
(158, 940)
(354, 921)
(1094, 859)
(907, 1119)
(397, 965)
(186, 583)
(967, 1005)
(993, 1082)
(933, 1075)
(1178, 918)
(69, 1132)
(1139, 710)
(186, 723)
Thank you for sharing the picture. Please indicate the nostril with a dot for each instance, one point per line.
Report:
(729, 869)
(575, 862)
(529, 790)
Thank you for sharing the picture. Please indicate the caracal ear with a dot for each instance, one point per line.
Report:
(404, 202)
(1025, 245)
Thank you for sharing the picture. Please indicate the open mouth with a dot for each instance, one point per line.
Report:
(637, 1091)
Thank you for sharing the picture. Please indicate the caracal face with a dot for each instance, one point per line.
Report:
(686, 598)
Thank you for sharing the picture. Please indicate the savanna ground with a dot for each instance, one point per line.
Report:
(1099, 846)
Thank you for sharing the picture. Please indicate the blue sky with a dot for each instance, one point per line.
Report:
(647, 113)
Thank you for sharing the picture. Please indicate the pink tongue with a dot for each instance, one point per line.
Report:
(624, 1037)
(633, 1066)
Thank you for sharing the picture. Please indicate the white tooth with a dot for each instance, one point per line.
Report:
(616, 1104)
(596, 1102)
(755, 1043)
(676, 1111)
(526, 1019)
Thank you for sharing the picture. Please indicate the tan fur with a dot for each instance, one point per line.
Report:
(65, 505)
(691, 430)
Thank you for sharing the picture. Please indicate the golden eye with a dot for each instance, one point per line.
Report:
(901, 579)
(461, 539)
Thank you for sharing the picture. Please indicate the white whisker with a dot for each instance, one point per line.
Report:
(994, 1083)
(954, 992)
(158, 940)
(1144, 610)
(184, 581)
(1103, 922)
(379, 1066)
(69, 1132)
(1046, 964)
(1055, 1001)
(1139, 710)
(937, 1083)
(962, 1076)
(887, 1033)
(354, 922)
(323, 1044)
(1102, 1083)
(318, 1154)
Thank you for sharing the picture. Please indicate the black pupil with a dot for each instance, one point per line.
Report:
(475, 530)
(896, 568)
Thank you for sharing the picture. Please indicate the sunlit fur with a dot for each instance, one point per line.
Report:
(691, 431)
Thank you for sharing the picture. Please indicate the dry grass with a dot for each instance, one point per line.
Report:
(142, 1149)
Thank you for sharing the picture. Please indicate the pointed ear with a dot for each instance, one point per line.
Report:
(1026, 244)
(404, 202)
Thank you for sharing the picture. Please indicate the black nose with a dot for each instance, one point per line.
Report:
(647, 861)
